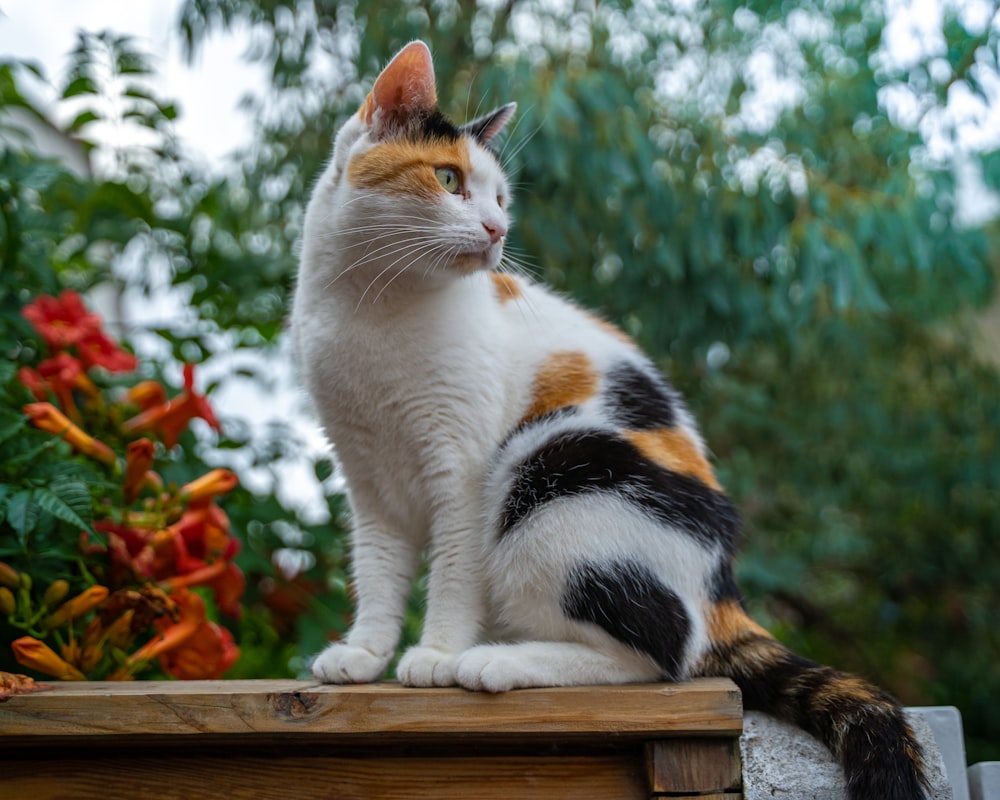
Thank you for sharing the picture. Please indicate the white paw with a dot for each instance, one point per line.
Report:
(345, 663)
(491, 668)
(426, 666)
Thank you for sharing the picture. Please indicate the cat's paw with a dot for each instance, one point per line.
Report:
(345, 663)
(427, 666)
(490, 668)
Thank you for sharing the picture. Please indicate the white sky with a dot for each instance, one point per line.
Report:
(207, 93)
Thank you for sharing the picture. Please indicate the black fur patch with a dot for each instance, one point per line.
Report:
(628, 601)
(425, 126)
(724, 586)
(638, 400)
(585, 461)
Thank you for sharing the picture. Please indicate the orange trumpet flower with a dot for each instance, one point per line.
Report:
(138, 460)
(50, 419)
(171, 418)
(86, 601)
(211, 484)
(32, 653)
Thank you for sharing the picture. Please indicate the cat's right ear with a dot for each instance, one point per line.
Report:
(405, 89)
(489, 125)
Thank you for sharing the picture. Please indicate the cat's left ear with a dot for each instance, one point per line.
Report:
(404, 90)
(489, 125)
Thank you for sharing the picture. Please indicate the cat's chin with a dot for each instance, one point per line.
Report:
(478, 261)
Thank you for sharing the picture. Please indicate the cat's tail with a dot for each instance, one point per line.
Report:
(863, 726)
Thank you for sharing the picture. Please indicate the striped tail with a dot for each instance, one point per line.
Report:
(863, 726)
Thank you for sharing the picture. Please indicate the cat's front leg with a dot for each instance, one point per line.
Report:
(383, 566)
(455, 605)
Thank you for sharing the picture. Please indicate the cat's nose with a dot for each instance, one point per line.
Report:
(495, 230)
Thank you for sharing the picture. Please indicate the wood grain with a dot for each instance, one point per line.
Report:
(167, 777)
(157, 709)
(679, 766)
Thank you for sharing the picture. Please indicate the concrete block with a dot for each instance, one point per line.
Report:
(946, 723)
(781, 762)
(984, 781)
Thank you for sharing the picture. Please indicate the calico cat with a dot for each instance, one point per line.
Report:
(575, 528)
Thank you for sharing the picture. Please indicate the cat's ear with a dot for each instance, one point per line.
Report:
(489, 125)
(404, 89)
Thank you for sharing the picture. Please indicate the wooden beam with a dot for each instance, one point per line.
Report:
(389, 712)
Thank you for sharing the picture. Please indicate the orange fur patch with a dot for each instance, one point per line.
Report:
(674, 450)
(505, 287)
(846, 689)
(408, 167)
(566, 378)
(728, 622)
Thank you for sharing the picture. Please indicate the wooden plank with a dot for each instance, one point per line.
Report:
(695, 766)
(172, 776)
(387, 712)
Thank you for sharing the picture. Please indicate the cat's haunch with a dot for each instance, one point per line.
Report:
(575, 528)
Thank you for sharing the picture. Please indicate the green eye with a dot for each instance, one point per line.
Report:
(449, 179)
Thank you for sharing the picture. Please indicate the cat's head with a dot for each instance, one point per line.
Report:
(407, 190)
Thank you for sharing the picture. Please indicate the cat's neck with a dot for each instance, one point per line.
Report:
(378, 289)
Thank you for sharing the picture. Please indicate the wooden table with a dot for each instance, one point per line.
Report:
(298, 740)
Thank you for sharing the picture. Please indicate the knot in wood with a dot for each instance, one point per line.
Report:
(293, 705)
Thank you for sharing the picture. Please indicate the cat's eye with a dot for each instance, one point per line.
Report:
(449, 179)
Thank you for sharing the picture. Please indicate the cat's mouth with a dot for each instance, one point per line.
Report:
(481, 258)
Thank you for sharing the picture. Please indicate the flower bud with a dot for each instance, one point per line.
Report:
(9, 576)
(35, 654)
(218, 481)
(7, 602)
(86, 601)
(56, 592)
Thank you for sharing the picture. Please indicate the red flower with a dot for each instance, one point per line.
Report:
(62, 321)
(192, 648)
(61, 375)
(226, 581)
(170, 419)
(137, 552)
(65, 322)
(201, 537)
(205, 655)
(97, 350)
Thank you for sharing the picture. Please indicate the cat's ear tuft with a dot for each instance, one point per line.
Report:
(404, 89)
(489, 125)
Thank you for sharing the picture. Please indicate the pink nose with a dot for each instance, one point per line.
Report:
(495, 230)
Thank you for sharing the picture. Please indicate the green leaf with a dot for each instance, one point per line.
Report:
(72, 494)
(81, 85)
(23, 512)
(83, 118)
(323, 469)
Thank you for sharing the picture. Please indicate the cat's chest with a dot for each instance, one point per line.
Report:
(410, 377)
